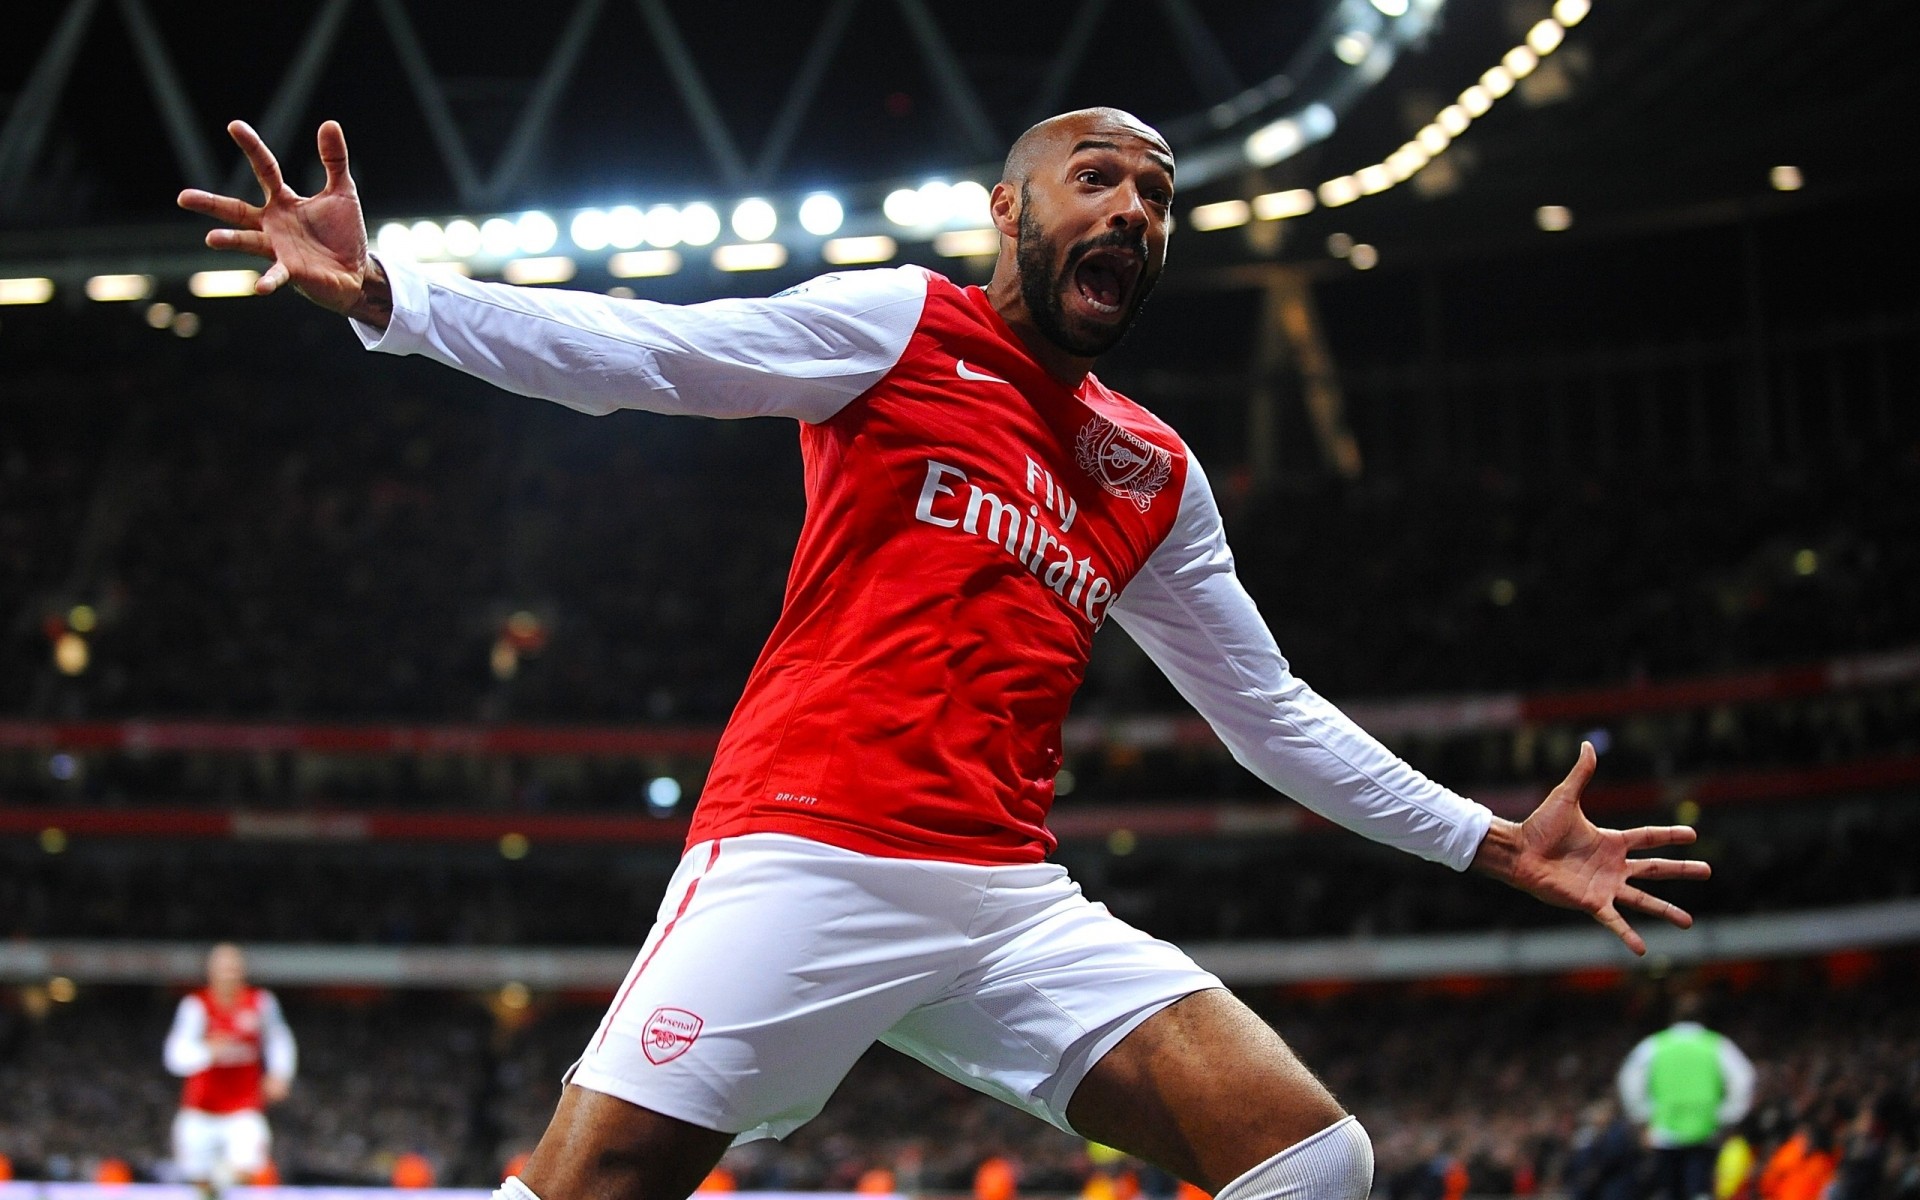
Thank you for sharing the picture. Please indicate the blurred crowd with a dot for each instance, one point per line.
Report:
(360, 546)
(1457, 1104)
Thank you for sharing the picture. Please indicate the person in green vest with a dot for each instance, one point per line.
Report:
(1684, 1085)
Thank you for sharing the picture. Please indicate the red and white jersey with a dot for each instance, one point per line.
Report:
(224, 1050)
(970, 524)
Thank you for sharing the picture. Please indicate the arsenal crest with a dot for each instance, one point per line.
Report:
(1124, 463)
(668, 1034)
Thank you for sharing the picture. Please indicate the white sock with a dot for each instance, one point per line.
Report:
(1334, 1164)
(512, 1189)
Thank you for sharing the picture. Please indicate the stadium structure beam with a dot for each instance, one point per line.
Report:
(806, 84)
(176, 109)
(296, 88)
(963, 103)
(34, 107)
(1207, 63)
(531, 131)
(432, 99)
(1073, 48)
(692, 87)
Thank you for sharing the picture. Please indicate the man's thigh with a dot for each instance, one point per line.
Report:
(196, 1144)
(1203, 1088)
(245, 1143)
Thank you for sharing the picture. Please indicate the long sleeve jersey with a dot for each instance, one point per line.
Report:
(970, 523)
(224, 1050)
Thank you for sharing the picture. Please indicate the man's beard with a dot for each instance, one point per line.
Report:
(1040, 287)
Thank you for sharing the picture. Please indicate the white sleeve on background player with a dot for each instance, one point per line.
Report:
(276, 1039)
(805, 353)
(1633, 1082)
(1190, 614)
(1736, 1082)
(187, 1052)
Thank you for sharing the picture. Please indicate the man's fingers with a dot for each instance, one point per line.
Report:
(1648, 836)
(1617, 925)
(220, 208)
(1654, 906)
(1576, 780)
(244, 240)
(333, 154)
(1667, 868)
(270, 282)
(261, 159)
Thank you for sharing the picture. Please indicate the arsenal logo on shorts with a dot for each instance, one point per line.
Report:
(1122, 462)
(668, 1033)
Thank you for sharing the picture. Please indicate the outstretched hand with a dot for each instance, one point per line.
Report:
(1559, 856)
(316, 243)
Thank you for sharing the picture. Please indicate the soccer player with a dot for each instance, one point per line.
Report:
(868, 858)
(238, 1056)
(1686, 1085)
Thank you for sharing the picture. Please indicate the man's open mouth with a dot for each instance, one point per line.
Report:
(1105, 278)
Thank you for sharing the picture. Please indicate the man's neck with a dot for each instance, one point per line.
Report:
(1003, 292)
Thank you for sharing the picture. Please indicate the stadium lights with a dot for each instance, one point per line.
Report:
(1276, 206)
(1546, 35)
(699, 225)
(754, 220)
(1353, 46)
(660, 226)
(499, 237)
(1497, 80)
(554, 269)
(1476, 100)
(626, 227)
(750, 256)
(108, 288)
(33, 290)
(429, 240)
(1520, 61)
(590, 230)
(967, 243)
(1341, 189)
(1224, 214)
(1786, 179)
(643, 264)
(821, 215)
(1391, 8)
(537, 233)
(847, 251)
(463, 238)
(210, 284)
(1554, 218)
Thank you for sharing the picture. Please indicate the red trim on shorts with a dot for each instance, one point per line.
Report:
(712, 857)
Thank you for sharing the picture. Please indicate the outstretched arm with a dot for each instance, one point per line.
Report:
(1559, 856)
(316, 243)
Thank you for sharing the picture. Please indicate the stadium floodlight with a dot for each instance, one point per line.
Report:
(429, 240)
(699, 224)
(1571, 12)
(119, 287)
(1363, 257)
(210, 284)
(821, 214)
(1391, 8)
(1476, 100)
(663, 793)
(1277, 206)
(537, 232)
(1224, 214)
(750, 256)
(1453, 119)
(1408, 159)
(463, 238)
(591, 230)
(1498, 81)
(643, 264)
(754, 220)
(1353, 46)
(1520, 61)
(662, 226)
(394, 240)
(556, 268)
(1341, 189)
(902, 207)
(1786, 179)
(1272, 142)
(1546, 35)
(970, 204)
(499, 237)
(1432, 138)
(847, 251)
(1373, 179)
(626, 227)
(1554, 218)
(967, 243)
(32, 290)
(936, 202)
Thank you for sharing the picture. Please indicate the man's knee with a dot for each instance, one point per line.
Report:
(1334, 1164)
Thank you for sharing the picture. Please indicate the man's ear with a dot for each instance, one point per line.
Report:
(1004, 204)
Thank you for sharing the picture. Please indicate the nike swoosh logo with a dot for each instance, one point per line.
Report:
(966, 372)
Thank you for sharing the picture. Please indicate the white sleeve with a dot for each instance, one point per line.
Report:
(1633, 1082)
(1736, 1078)
(805, 353)
(186, 1050)
(1189, 612)
(283, 1058)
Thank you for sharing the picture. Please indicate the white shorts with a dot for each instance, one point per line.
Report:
(225, 1147)
(776, 961)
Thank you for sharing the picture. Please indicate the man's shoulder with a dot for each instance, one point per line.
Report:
(861, 287)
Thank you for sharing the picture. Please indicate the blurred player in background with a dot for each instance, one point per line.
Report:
(868, 857)
(234, 1048)
(1685, 1085)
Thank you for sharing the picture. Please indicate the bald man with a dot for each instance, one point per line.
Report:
(868, 858)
